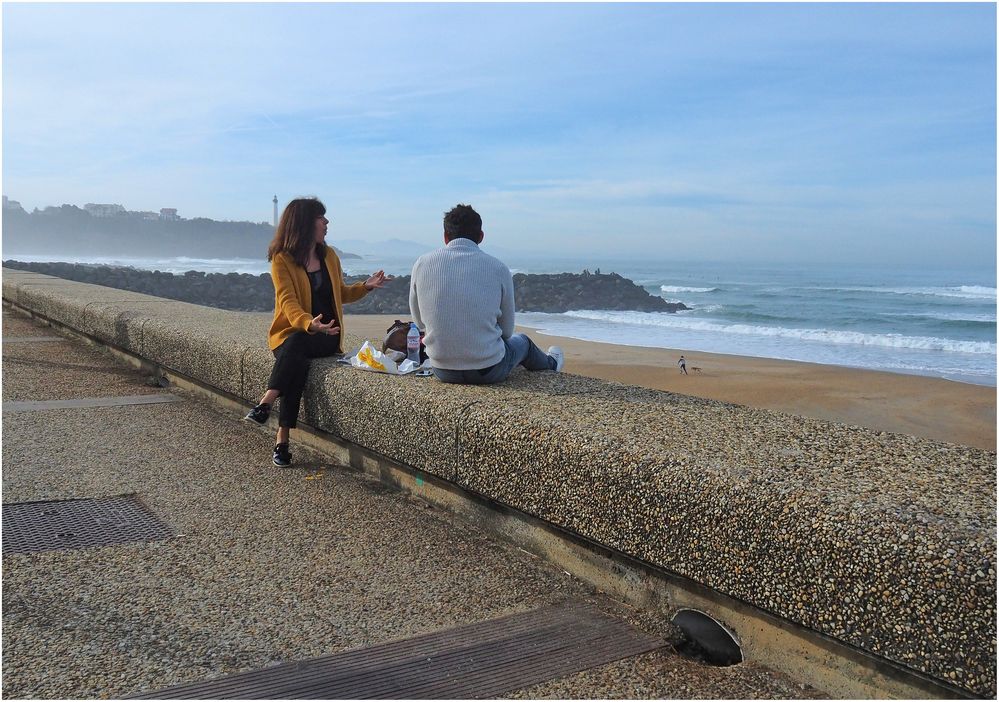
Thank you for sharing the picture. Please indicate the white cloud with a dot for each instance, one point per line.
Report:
(694, 125)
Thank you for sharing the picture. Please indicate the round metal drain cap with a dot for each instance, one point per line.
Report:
(707, 640)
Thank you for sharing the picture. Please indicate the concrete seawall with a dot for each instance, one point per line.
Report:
(879, 543)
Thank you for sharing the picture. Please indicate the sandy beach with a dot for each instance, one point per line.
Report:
(933, 408)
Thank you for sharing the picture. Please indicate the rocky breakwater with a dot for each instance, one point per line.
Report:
(558, 292)
(561, 292)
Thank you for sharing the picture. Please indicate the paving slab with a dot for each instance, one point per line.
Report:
(88, 402)
(66, 368)
(19, 325)
(62, 370)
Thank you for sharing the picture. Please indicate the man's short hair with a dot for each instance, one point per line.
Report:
(462, 222)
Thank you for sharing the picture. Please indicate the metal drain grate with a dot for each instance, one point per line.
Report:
(477, 661)
(66, 524)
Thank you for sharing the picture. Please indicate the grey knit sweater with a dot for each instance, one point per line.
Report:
(463, 298)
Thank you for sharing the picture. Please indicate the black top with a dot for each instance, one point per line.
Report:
(322, 293)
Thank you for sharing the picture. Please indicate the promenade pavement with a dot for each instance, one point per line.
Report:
(267, 565)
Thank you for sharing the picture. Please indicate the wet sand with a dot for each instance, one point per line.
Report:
(933, 408)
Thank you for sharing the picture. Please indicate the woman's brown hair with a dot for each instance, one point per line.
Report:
(296, 232)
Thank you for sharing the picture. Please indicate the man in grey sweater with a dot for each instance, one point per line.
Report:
(463, 298)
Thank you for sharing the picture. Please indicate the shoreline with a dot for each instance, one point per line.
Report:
(930, 407)
(573, 305)
(965, 380)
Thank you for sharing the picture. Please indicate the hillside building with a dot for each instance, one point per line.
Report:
(103, 210)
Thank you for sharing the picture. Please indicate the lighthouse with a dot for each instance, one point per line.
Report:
(275, 210)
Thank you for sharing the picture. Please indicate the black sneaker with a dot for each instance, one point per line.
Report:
(282, 456)
(259, 414)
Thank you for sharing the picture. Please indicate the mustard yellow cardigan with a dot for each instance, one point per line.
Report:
(293, 296)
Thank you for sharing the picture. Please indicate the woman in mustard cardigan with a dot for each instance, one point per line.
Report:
(309, 294)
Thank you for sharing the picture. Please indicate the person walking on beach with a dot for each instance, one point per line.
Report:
(683, 364)
(463, 298)
(309, 294)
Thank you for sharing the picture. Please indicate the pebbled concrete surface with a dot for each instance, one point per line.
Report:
(61, 370)
(268, 565)
(883, 541)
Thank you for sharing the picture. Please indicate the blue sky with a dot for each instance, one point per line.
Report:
(773, 132)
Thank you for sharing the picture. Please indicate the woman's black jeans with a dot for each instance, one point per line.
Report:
(291, 369)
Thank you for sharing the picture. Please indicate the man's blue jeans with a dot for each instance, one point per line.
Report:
(519, 350)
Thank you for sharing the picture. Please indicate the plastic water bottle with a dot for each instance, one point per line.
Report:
(413, 343)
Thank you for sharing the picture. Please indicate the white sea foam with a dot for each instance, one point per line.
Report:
(178, 264)
(827, 336)
(967, 292)
(682, 289)
(978, 291)
(946, 316)
(213, 261)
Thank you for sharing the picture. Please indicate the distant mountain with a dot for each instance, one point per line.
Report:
(71, 231)
(381, 247)
(405, 247)
(500, 252)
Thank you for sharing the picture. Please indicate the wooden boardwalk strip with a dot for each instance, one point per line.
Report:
(88, 402)
(481, 660)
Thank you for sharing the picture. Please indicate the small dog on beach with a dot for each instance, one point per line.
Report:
(696, 369)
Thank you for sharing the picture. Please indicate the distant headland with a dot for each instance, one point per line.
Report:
(112, 230)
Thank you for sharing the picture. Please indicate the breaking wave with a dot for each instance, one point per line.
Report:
(966, 292)
(682, 289)
(827, 336)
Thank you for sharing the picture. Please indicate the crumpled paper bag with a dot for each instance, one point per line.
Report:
(369, 358)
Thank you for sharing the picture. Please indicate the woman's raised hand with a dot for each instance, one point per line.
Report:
(317, 326)
(377, 280)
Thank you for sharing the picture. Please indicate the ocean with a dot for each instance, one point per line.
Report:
(932, 322)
